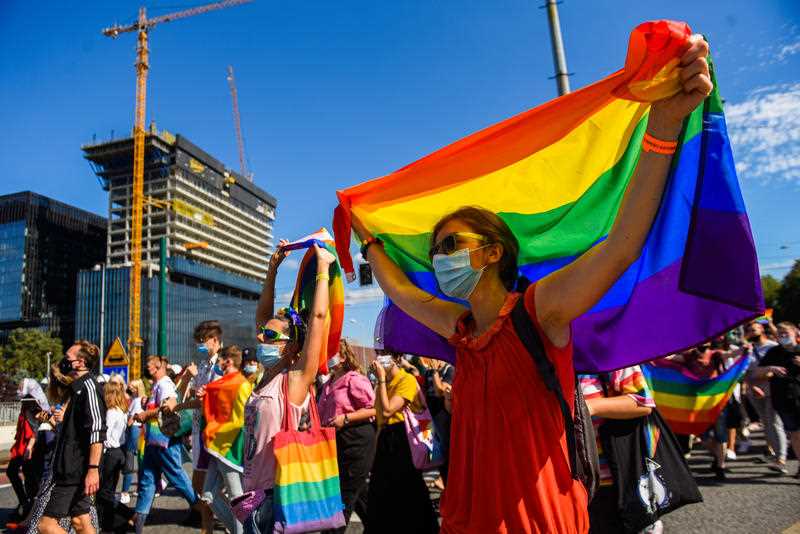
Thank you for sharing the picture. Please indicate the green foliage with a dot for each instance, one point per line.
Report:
(788, 308)
(771, 286)
(25, 354)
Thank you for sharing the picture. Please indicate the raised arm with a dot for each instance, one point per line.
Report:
(266, 302)
(437, 314)
(304, 370)
(571, 291)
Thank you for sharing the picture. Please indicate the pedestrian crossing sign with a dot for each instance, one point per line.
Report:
(116, 355)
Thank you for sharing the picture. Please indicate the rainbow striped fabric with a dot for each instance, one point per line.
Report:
(556, 175)
(223, 413)
(690, 404)
(303, 296)
(306, 492)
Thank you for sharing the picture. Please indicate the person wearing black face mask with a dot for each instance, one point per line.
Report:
(79, 446)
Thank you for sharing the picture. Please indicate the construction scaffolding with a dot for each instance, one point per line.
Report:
(190, 197)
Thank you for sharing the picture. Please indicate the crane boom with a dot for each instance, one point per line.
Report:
(142, 26)
(237, 122)
(145, 24)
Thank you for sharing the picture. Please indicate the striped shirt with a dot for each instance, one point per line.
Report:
(629, 381)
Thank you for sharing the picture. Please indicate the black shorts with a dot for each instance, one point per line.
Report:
(67, 501)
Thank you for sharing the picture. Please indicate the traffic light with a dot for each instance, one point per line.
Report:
(364, 275)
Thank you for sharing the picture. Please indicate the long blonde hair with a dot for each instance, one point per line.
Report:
(114, 394)
(137, 385)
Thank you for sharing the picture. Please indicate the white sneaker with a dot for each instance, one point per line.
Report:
(779, 467)
(730, 455)
(124, 498)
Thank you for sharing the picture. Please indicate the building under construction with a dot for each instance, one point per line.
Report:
(217, 230)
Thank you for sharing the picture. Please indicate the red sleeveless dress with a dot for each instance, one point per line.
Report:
(509, 469)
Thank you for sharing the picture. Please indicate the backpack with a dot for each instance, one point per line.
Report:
(581, 440)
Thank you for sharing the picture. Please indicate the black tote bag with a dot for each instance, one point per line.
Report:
(648, 488)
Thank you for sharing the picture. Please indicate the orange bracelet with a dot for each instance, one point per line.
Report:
(658, 146)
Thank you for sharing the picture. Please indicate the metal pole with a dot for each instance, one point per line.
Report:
(47, 372)
(102, 315)
(559, 57)
(162, 296)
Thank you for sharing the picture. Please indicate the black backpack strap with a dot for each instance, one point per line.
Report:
(526, 331)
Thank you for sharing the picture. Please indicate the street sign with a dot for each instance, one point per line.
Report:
(116, 356)
(121, 370)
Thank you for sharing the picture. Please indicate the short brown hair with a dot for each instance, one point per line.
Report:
(232, 353)
(488, 224)
(162, 359)
(206, 330)
(88, 352)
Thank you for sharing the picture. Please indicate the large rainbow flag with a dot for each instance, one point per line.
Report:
(691, 404)
(303, 296)
(556, 174)
(223, 412)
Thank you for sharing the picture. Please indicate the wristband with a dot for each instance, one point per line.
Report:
(94, 466)
(323, 276)
(367, 243)
(346, 420)
(658, 146)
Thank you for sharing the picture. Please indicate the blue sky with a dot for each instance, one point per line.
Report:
(334, 93)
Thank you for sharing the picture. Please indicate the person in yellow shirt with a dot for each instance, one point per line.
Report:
(394, 478)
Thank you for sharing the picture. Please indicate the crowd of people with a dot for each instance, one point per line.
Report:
(507, 415)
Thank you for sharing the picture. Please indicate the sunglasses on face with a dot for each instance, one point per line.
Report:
(449, 243)
(272, 335)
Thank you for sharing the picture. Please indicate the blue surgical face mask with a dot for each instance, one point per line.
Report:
(250, 369)
(202, 351)
(218, 370)
(268, 354)
(455, 274)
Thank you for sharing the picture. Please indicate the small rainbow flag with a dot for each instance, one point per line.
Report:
(303, 297)
(223, 413)
(690, 404)
(556, 175)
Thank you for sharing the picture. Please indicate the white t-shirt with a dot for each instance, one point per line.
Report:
(134, 408)
(163, 389)
(116, 424)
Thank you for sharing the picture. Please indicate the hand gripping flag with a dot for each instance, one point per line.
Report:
(303, 297)
(556, 175)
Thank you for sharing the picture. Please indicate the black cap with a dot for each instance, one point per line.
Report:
(249, 355)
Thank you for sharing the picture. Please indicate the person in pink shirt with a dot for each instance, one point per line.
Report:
(289, 349)
(347, 402)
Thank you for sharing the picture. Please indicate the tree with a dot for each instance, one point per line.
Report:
(25, 354)
(789, 295)
(771, 286)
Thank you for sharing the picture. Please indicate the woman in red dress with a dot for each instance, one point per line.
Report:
(509, 469)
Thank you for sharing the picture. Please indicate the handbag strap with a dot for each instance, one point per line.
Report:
(526, 331)
(288, 415)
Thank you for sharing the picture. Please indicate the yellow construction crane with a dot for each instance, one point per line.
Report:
(237, 123)
(142, 26)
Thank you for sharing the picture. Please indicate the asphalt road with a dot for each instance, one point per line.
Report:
(752, 500)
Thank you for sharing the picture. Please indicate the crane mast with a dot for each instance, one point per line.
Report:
(237, 123)
(142, 27)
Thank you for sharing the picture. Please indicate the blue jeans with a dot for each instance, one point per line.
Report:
(132, 445)
(158, 461)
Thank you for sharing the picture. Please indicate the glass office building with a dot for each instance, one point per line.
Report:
(195, 293)
(43, 245)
